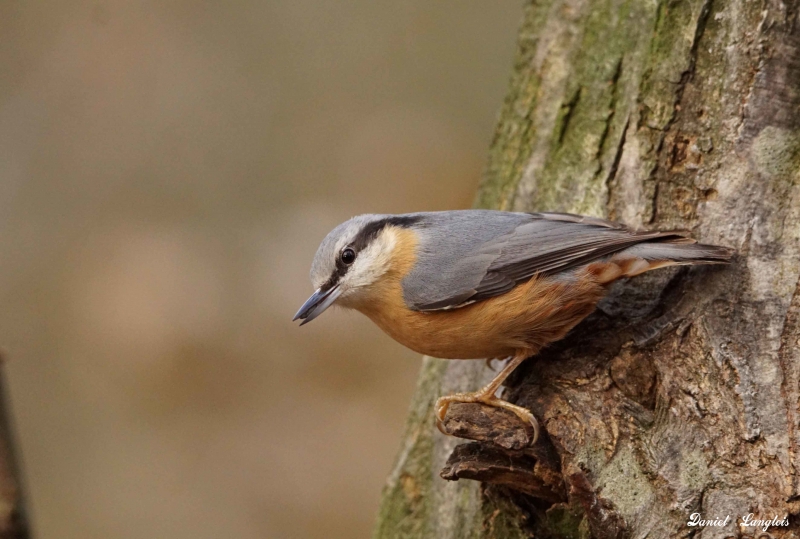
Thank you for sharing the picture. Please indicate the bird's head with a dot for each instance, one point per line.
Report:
(352, 258)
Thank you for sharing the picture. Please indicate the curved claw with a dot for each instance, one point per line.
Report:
(489, 361)
(440, 411)
(443, 403)
(440, 426)
(441, 406)
(520, 412)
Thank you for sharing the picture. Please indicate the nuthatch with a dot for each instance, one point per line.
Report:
(473, 284)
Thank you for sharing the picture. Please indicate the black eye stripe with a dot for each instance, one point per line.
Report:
(371, 230)
(365, 236)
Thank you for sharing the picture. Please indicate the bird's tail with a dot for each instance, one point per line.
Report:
(675, 250)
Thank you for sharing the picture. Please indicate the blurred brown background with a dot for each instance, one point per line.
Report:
(167, 172)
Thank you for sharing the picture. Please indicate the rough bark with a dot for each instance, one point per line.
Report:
(681, 393)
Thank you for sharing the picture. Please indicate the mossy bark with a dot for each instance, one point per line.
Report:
(681, 394)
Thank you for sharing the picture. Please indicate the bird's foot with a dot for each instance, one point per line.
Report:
(489, 399)
(500, 360)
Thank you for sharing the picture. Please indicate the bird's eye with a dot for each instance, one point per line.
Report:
(348, 256)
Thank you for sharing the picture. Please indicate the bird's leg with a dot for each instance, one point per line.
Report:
(486, 395)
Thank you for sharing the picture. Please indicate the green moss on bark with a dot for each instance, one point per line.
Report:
(514, 134)
(637, 110)
(407, 501)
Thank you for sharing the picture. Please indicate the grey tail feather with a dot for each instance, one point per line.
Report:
(681, 250)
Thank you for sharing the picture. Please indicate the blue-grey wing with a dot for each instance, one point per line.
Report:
(472, 255)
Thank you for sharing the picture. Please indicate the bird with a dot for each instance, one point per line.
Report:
(485, 284)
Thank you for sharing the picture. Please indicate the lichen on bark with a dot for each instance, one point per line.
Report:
(681, 393)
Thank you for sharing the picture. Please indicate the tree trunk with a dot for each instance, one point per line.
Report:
(680, 394)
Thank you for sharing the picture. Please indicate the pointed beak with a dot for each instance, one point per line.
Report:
(316, 304)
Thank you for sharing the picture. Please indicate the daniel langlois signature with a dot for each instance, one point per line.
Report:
(746, 521)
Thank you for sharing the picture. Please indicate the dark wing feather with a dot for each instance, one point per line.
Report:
(540, 243)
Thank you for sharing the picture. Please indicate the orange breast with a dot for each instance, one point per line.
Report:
(524, 319)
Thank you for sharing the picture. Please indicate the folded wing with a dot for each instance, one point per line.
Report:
(495, 252)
